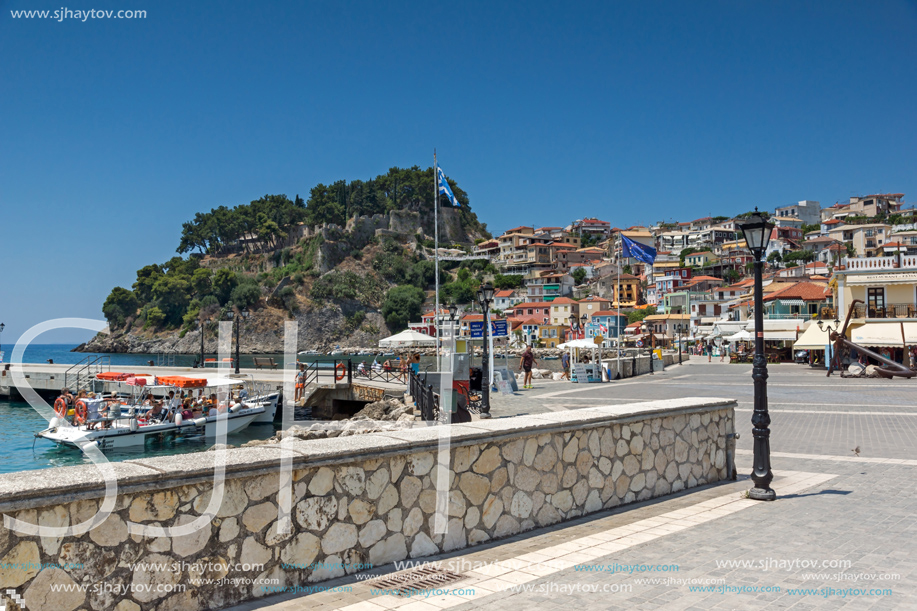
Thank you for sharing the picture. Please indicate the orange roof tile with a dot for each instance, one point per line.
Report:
(807, 291)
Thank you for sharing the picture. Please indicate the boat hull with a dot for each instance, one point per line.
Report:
(121, 436)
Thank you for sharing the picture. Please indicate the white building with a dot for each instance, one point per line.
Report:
(807, 210)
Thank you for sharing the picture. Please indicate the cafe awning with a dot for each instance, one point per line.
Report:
(813, 339)
(780, 329)
(884, 334)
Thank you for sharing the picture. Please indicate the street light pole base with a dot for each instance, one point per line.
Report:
(762, 494)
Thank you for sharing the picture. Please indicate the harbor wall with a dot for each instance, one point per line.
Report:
(356, 501)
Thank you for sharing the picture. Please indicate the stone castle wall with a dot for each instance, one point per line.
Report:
(357, 500)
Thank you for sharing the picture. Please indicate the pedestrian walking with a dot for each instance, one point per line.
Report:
(709, 352)
(565, 363)
(525, 364)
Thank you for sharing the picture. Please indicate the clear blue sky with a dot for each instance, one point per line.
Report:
(116, 131)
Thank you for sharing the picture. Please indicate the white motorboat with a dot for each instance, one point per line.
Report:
(111, 424)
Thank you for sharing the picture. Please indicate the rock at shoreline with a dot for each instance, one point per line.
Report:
(387, 415)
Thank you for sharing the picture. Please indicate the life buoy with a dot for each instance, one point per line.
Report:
(340, 372)
(82, 412)
(60, 407)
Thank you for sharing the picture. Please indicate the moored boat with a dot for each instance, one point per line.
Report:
(128, 421)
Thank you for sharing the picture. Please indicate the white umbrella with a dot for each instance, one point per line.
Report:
(741, 336)
(407, 337)
(578, 343)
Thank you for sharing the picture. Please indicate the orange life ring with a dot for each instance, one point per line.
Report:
(60, 407)
(341, 371)
(81, 413)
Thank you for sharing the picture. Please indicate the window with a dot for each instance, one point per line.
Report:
(875, 300)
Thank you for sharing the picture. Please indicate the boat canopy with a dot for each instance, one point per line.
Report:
(167, 382)
(117, 376)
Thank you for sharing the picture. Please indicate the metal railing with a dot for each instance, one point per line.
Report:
(425, 399)
(165, 360)
(892, 310)
(341, 369)
(368, 374)
(81, 375)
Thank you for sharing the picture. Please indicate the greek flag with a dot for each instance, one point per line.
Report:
(647, 254)
(444, 189)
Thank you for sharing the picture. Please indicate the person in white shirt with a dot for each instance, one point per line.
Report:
(174, 403)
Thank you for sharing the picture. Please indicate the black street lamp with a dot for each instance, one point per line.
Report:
(485, 296)
(453, 315)
(681, 341)
(582, 327)
(574, 326)
(203, 321)
(238, 323)
(757, 233)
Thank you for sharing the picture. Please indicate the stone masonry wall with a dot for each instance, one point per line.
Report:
(356, 500)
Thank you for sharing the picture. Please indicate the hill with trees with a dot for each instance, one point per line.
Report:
(353, 264)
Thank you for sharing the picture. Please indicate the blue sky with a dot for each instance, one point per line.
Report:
(117, 131)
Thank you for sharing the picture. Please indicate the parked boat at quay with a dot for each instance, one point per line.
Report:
(130, 418)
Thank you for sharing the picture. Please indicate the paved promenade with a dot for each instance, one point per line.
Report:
(840, 534)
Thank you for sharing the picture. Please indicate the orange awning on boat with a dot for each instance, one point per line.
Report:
(182, 381)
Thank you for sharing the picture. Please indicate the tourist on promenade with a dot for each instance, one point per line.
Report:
(415, 362)
(525, 364)
(709, 349)
(300, 382)
(565, 363)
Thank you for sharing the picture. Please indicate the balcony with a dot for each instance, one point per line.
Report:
(893, 310)
(874, 263)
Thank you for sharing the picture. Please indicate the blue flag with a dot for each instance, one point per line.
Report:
(638, 251)
(444, 189)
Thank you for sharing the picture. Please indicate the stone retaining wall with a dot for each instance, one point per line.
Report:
(356, 500)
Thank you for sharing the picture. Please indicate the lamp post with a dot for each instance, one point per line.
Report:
(831, 330)
(681, 342)
(485, 296)
(582, 327)
(453, 315)
(203, 320)
(231, 315)
(574, 326)
(757, 233)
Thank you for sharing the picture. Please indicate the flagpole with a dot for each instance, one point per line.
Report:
(436, 252)
(618, 319)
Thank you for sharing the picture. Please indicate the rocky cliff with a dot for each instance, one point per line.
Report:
(320, 328)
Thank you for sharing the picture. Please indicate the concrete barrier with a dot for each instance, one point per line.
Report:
(356, 501)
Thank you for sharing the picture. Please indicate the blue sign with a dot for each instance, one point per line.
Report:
(498, 328)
